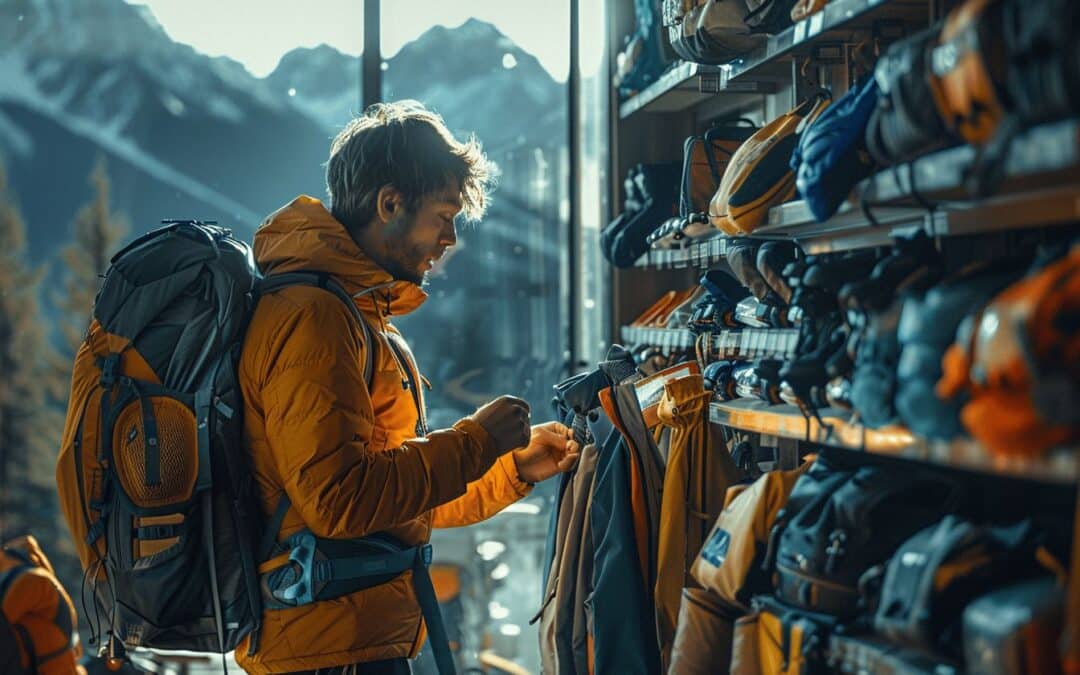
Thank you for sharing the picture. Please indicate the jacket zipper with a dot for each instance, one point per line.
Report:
(410, 382)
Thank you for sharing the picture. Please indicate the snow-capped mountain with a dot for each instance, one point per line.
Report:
(185, 134)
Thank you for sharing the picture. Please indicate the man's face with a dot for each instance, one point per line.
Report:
(415, 241)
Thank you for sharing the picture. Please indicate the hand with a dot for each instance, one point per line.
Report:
(506, 419)
(552, 450)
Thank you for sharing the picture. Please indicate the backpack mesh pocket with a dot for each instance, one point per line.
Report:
(172, 446)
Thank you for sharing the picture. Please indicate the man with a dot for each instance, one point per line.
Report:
(355, 459)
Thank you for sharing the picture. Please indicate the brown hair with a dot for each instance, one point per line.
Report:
(405, 145)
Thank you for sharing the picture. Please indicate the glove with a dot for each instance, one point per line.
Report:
(506, 419)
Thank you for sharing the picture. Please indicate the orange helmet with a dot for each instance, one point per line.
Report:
(1020, 362)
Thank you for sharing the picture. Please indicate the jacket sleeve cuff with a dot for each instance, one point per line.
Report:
(478, 435)
(509, 467)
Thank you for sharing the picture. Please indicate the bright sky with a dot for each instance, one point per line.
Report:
(258, 32)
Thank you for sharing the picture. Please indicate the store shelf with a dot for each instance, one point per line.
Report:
(735, 343)
(831, 25)
(1041, 188)
(786, 421)
(666, 339)
(693, 253)
(753, 343)
(687, 84)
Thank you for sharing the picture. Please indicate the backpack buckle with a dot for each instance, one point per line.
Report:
(110, 370)
(302, 559)
(836, 550)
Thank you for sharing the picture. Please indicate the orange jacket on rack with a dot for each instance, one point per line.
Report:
(347, 457)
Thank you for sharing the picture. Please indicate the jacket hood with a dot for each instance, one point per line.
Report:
(302, 236)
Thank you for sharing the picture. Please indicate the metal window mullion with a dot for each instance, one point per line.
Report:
(371, 60)
(573, 293)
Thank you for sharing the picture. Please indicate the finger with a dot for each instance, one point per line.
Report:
(568, 461)
(519, 402)
(558, 428)
(550, 438)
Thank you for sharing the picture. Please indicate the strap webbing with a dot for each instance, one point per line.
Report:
(273, 526)
(151, 447)
(429, 607)
(318, 573)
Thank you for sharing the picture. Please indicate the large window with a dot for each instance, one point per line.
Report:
(498, 318)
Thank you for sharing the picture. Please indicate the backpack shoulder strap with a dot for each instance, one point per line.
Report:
(324, 281)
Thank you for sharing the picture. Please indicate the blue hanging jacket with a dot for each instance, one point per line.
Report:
(831, 156)
(624, 624)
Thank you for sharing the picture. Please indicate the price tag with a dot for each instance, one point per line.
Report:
(800, 31)
(650, 389)
(816, 22)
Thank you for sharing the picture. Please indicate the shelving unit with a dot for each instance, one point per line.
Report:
(1033, 203)
(1039, 188)
(736, 343)
(694, 253)
(667, 339)
(1047, 156)
(832, 24)
(840, 430)
(685, 85)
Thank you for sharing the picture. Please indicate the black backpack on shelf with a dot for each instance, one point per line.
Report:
(840, 524)
(936, 573)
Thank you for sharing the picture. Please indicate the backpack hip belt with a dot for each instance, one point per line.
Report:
(315, 572)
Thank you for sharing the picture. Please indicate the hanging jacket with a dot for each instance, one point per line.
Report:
(351, 460)
(558, 528)
(566, 600)
(624, 520)
(623, 626)
(699, 471)
(581, 642)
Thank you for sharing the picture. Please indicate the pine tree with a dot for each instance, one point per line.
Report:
(96, 236)
(29, 434)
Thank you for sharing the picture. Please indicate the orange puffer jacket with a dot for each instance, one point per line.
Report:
(38, 612)
(348, 458)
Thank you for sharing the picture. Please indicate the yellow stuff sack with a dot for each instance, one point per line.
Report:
(759, 175)
(774, 640)
(730, 562)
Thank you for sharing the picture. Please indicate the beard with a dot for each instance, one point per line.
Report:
(409, 265)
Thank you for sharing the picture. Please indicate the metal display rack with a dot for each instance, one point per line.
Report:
(736, 343)
(1039, 188)
(1047, 156)
(687, 84)
(841, 430)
